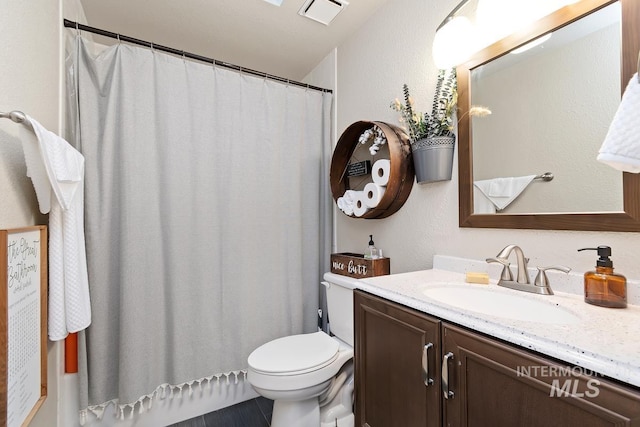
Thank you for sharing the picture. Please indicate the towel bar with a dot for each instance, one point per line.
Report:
(16, 116)
(547, 176)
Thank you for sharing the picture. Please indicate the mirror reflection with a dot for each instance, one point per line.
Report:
(551, 107)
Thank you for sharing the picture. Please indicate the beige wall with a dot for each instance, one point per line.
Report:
(31, 54)
(394, 48)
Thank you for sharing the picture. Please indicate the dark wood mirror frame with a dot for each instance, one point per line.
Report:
(629, 219)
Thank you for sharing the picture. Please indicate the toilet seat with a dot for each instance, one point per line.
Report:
(294, 355)
(309, 377)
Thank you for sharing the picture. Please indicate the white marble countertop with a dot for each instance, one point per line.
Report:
(602, 340)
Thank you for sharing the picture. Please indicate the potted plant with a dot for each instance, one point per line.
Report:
(431, 135)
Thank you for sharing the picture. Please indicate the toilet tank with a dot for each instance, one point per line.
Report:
(340, 305)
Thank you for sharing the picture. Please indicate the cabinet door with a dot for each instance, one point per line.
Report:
(496, 384)
(395, 348)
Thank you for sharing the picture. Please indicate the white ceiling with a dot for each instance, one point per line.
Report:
(250, 33)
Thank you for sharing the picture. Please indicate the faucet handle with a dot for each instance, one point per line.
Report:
(506, 271)
(543, 281)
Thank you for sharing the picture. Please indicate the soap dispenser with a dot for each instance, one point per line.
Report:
(371, 252)
(603, 287)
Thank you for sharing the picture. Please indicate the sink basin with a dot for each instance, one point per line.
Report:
(506, 305)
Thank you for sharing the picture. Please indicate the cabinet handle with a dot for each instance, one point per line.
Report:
(445, 376)
(425, 365)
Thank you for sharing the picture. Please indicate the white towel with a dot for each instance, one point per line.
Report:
(57, 172)
(621, 146)
(502, 191)
(481, 203)
(345, 203)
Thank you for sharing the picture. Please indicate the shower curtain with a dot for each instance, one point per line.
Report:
(207, 218)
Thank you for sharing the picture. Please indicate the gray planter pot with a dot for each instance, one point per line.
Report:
(433, 158)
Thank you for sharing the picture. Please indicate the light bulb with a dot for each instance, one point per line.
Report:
(453, 43)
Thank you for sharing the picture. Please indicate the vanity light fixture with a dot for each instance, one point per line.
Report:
(276, 2)
(457, 38)
(452, 41)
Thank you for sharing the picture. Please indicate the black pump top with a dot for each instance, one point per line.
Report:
(371, 240)
(604, 252)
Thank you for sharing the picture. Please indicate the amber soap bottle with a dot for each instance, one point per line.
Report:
(603, 287)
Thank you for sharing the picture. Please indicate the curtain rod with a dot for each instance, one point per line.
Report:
(120, 37)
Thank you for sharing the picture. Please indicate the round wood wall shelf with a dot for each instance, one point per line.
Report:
(401, 174)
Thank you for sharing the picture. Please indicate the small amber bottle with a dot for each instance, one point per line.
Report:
(603, 287)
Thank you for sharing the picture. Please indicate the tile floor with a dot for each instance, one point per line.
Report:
(252, 413)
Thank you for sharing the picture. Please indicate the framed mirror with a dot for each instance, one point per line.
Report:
(551, 107)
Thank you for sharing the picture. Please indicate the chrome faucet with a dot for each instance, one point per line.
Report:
(523, 283)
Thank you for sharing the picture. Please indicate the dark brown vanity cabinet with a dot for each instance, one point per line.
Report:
(396, 365)
(497, 384)
(486, 382)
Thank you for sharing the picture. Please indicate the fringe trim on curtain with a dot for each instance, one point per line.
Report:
(163, 391)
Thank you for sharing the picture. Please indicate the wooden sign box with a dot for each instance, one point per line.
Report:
(356, 266)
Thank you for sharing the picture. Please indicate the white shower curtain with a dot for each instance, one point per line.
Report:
(207, 217)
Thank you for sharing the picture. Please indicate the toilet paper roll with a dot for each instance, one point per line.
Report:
(380, 172)
(360, 204)
(373, 194)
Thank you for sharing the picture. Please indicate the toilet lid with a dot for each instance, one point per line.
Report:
(294, 353)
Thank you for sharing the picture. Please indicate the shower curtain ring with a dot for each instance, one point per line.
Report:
(118, 37)
(77, 28)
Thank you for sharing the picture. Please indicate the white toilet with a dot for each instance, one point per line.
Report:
(310, 376)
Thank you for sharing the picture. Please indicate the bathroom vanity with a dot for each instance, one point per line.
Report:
(421, 360)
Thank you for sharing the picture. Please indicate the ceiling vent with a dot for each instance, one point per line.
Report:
(322, 11)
